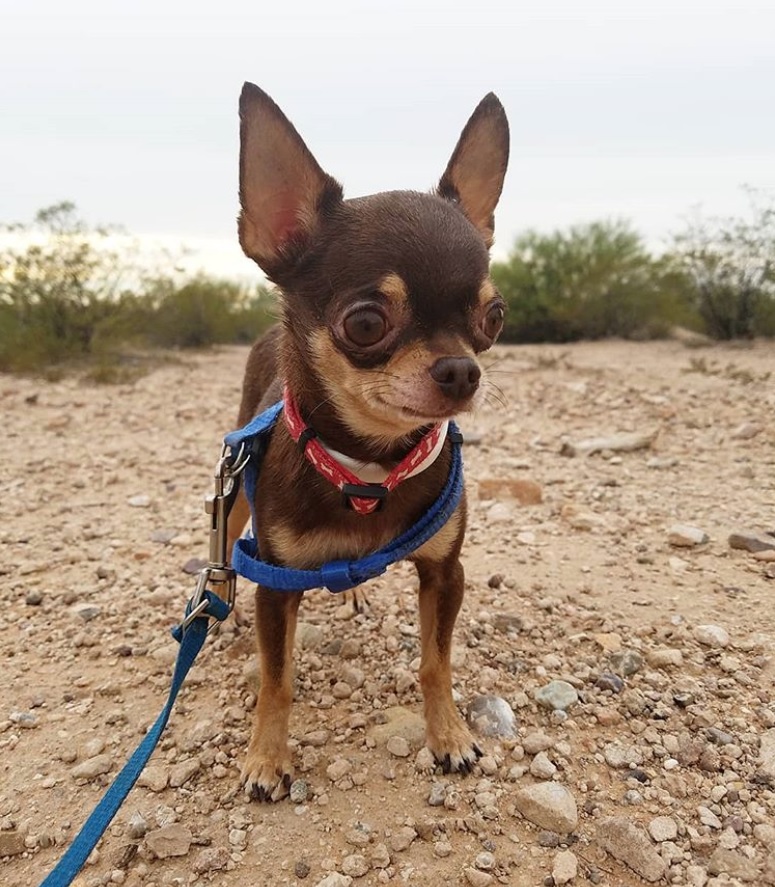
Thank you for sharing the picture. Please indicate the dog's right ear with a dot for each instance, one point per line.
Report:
(282, 188)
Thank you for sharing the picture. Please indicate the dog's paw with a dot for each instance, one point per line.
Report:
(266, 780)
(456, 752)
(355, 598)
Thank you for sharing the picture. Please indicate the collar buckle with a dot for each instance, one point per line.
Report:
(364, 491)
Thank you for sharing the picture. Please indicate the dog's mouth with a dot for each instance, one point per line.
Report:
(428, 415)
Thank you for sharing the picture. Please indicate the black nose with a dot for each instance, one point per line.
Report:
(457, 377)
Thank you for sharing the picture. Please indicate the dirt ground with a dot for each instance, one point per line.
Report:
(667, 752)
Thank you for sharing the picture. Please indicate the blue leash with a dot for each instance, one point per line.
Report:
(191, 639)
(339, 575)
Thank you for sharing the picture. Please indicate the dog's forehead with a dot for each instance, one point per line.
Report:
(422, 239)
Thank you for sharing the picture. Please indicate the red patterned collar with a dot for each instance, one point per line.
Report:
(362, 496)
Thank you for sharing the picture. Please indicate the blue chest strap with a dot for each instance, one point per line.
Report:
(337, 575)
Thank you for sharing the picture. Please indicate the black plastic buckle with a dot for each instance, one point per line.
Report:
(364, 491)
(305, 437)
(455, 437)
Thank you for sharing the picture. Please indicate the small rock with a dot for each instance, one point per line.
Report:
(476, 878)
(400, 722)
(170, 840)
(93, 767)
(732, 863)
(442, 849)
(766, 761)
(746, 431)
(11, 843)
(424, 762)
(565, 867)
(153, 777)
(212, 859)
(610, 641)
(182, 772)
(542, 767)
(557, 695)
(437, 794)
(308, 636)
(685, 536)
(355, 865)
(667, 658)
(194, 565)
(626, 662)
(33, 599)
(548, 839)
(526, 492)
(750, 540)
(610, 682)
(485, 861)
(401, 839)
(24, 719)
(663, 828)
(398, 747)
(498, 513)
(631, 845)
(536, 742)
(340, 767)
(492, 716)
(621, 757)
(508, 623)
(548, 805)
(141, 501)
(380, 856)
(335, 880)
(711, 636)
(299, 791)
(708, 817)
(137, 826)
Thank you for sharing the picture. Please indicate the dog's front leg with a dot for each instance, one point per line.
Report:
(441, 594)
(267, 772)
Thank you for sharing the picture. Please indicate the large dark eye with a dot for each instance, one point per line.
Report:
(492, 323)
(365, 327)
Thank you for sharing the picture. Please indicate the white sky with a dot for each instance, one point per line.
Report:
(630, 109)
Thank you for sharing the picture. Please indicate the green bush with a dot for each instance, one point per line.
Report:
(65, 297)
(593, 281)
(731, 265)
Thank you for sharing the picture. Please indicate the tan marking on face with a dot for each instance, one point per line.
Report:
(438, 547)
(314, 547)
(487, 292)
(393, 287)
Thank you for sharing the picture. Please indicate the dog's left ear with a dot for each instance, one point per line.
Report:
(475, 172)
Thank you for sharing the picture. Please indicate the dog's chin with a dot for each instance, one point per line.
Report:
(419, 415)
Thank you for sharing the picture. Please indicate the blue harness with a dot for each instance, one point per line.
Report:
(336, 575)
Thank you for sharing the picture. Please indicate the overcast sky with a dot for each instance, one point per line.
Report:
(624, 109)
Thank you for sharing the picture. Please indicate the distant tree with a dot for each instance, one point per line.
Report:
(731, 265)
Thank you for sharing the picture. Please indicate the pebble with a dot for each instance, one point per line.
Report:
(766, 761)
(402, 838)
(735, 864)
(485, 861)
(492, 716)
(557, 695)
(437, 794)
(308, 636)
(398, 747)
(526, 492)
(355, 865)
(548, 805)
(713, 636)
(565, 867)
(170, 840)
(93, 767)
(442, 849)
(11, 843)
(340, 767)
(685, 536)
(537, 741)
(750, 540)
(625, 662)
(665, 658)
(478, 879)
(33, 599)
(631, 845)
(211, 859)
(335, 880)
(140, 501)
(154, 777)
(137, 826)
(182, 772)
(663, 828)
(622, 757)
(610, 682)
(708, 817)
(541, 767)
(299, 791)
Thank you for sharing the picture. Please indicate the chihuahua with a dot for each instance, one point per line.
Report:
(386, 304)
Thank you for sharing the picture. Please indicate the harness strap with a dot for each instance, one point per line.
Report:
(191, 639)
(338, 576)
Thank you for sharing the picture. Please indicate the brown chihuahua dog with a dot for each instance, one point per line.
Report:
(386, 302)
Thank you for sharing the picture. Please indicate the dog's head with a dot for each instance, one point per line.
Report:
(387, 299)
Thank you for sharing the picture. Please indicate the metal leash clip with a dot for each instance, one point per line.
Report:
(219, 576)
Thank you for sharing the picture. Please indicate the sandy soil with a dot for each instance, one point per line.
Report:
(671, 767)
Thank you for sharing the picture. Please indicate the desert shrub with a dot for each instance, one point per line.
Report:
(590, 282)
(730, 263)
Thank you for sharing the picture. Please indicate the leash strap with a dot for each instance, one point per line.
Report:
(340, 575)
(191, 639)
